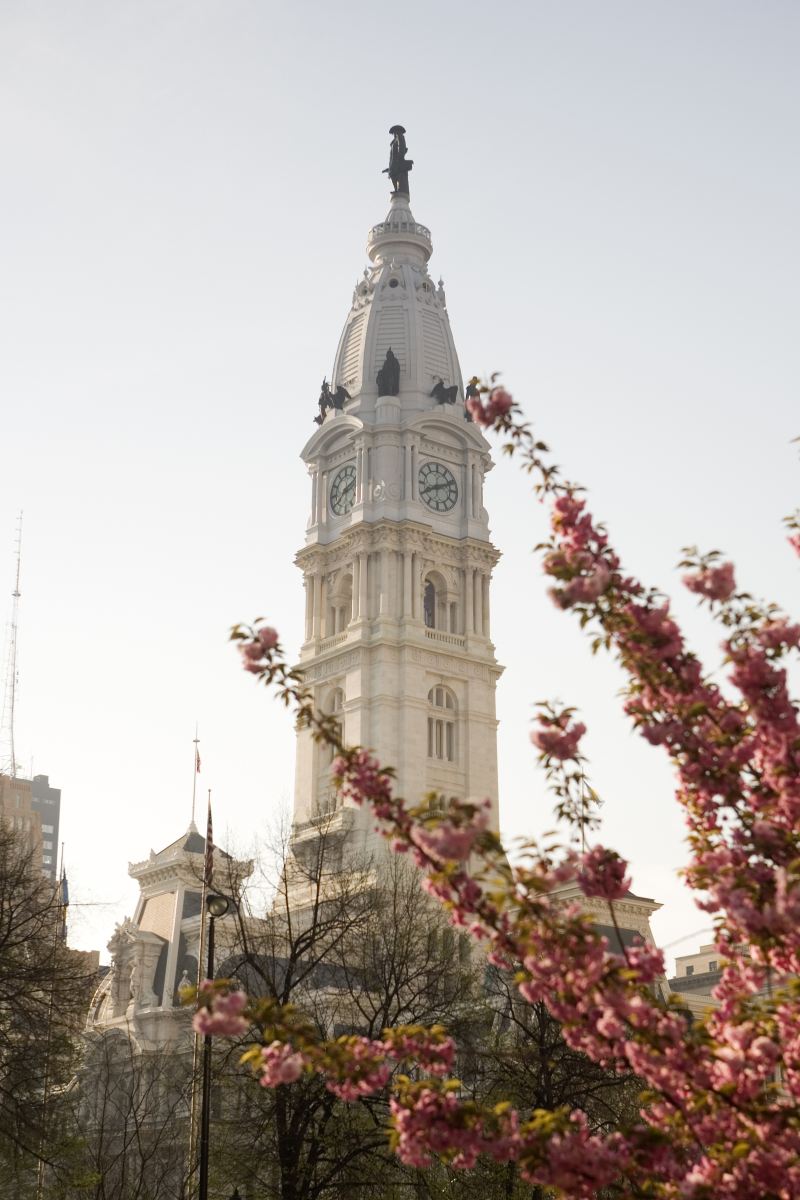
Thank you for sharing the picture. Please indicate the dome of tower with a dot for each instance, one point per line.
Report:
(396, 305)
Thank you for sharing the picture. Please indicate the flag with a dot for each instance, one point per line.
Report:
(196, 759)
(208, 866)
(64, 889)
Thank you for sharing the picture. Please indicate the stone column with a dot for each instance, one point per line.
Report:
(468, 489)
(384, 607)
(478, 602)
(359, 475)
(317, 604)
(168, 996)
(308, 585)
(363, 595)
(323, 498)
(469, 598)
(416, 587)
(486, 605)
(314, 498)
(407, 584)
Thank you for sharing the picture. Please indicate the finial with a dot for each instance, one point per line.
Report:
(399, 165)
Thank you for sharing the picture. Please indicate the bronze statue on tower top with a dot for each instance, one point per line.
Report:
(399, 165)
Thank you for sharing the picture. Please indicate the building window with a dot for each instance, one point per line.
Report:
(340, 609)
(47, 859)
(712, 966)
(439, 611)
(47, 829)
(690, 970)
(442, 724)
(334, 707)
(47, 845)
(429, 605)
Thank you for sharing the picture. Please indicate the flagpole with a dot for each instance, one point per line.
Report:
(196, 768)
(197, 1046)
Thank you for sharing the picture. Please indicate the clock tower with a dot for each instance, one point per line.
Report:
(397, 558)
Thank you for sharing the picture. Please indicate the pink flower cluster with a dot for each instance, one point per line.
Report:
(558, 741)
(580, 562)
(452, 842)
(278, 1064)
(359, 1068)
(362, 779)
(499, 404)
(429, 1121)
(715, 583)
(255, 652)
(429, 1049)
(602, 873)
(221, 1015)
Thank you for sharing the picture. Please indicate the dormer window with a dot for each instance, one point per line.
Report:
(394, 282)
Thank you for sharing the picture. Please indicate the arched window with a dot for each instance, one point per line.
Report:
(442, 724)
(340, 608)
(439, 607)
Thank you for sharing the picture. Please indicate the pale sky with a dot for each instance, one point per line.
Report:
(613, 191)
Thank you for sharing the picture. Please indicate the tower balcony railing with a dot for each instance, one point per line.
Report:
(335, 639)
(449, 639)
(390, 227)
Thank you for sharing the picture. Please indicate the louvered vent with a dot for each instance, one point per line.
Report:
(436, 357)
(352, 350)
(392, 332)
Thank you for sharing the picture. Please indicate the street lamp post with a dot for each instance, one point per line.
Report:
(216, 906)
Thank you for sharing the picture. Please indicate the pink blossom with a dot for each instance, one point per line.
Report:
(360, 1068)
(500, 401)
(431, 1050)
(794, 542)
(279, 1064)
(602, 873)
(557, 742)
(777, 634)
(447, 841)
(715, 583)
(584, 589)
(222, 1015)
(499, 404)
(477, 411)
(268, 637)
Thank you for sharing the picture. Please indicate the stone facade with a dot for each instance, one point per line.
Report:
(157, 950)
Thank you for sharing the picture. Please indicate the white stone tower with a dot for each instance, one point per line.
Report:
(397, 560)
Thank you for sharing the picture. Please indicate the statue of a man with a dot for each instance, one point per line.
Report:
(399, 165)
(388, 378)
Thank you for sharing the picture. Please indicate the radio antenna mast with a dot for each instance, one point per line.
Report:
(9, 759)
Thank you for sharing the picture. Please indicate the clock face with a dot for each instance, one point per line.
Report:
(343, 490)
(437, 487)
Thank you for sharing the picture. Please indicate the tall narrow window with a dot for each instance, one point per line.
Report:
(334, 708)
(429, 605)
(442, 724)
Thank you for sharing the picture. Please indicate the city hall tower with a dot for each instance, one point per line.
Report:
(397, 559)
